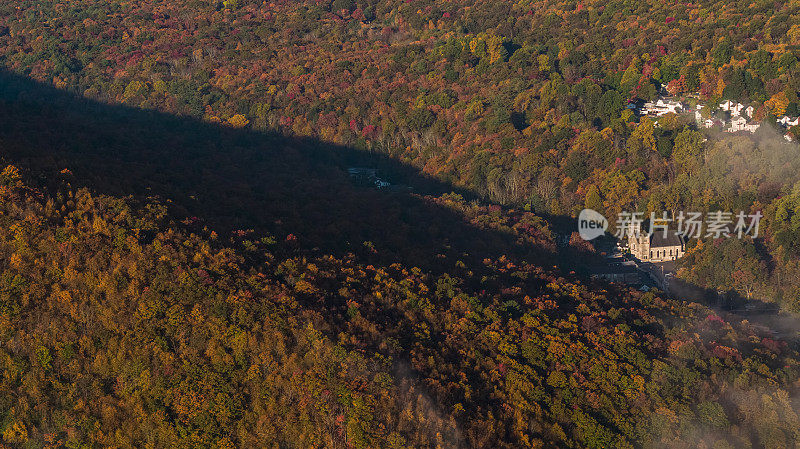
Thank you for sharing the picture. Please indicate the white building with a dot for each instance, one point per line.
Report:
(698, 117)
(734, 108)
(662, 107)
(749, 112)
(657, 247)
(737, 124)
(788, 122)
(741, 124)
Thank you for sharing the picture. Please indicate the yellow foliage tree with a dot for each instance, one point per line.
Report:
(238, 121)
(10, 176)
(16, 433)
(778, 104)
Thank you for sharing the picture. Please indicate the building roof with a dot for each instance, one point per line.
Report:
(657, 240)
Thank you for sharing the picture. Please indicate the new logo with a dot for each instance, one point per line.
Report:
(591, 224)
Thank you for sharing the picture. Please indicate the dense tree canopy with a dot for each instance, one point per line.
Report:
(210, 276)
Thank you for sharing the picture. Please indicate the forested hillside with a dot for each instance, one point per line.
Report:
(185, 262)
(129, 322)
(521, 103)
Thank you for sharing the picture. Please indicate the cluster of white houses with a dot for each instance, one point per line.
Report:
(739, 117)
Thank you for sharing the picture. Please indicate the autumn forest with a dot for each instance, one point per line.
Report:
(351, 224)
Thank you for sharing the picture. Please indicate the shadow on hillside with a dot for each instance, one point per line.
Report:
(728, 301)
(767, 317)
(239, 179)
